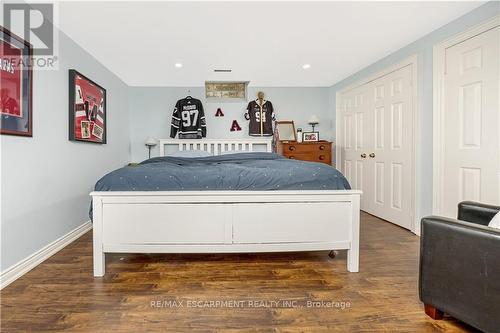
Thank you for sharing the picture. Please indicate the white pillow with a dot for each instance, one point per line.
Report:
(495, 223)
(191, 153)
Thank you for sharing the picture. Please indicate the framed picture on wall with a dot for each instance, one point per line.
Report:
(16, 85)
(226, 91)
(87, 109)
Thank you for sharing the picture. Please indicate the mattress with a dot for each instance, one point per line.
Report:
(240, 172)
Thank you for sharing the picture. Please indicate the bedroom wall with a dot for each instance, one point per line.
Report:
(46, 179)
(151, 111)
(423, 48)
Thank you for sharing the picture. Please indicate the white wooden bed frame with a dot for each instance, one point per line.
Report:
(224, 221)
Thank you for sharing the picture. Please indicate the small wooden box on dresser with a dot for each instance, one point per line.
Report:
(320, 151)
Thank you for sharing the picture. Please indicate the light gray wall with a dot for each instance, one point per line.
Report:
(45, 180)
(151, 111)
(423, 49)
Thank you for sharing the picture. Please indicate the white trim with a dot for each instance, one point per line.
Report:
(439, 68)
(410, 61)
(230, 196)
(17, 270)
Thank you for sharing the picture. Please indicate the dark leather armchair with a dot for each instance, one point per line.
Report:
(460, 267)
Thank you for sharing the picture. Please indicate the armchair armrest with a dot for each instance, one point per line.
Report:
(460, 270)
(476, 212)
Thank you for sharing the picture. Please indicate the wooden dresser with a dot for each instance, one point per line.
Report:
(320, 151)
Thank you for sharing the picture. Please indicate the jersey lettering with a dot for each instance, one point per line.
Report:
(258, 116)
(189, 117)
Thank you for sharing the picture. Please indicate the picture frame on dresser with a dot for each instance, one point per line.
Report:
(16, 85)
(310, 136)
(285, 130)
(87, 109)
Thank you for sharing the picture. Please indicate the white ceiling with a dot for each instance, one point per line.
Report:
(263, 42)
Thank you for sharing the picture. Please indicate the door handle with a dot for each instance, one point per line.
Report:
(372, 155)
(363, 155)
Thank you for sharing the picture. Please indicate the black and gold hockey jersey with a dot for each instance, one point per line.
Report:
(261, 118)
(188, 119)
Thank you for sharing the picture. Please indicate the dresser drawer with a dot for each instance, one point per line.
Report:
(312, 156)
(306, 147)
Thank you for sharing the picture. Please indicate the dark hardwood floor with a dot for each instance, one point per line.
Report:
(61, 294)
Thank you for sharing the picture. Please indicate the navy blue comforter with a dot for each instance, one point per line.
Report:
(243, 171)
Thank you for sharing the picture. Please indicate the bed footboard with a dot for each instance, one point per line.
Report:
(225, 222)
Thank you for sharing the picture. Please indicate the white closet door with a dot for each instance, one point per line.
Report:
(377, 144)
(356, 139)
(471, 163)
(390, 157)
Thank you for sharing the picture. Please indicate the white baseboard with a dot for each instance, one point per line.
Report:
(15, 271)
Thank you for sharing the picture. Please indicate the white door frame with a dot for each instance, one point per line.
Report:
(410, 61)
(439, 66)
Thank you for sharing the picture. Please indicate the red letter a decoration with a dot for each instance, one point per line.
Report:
(219, 113)
(235, 126)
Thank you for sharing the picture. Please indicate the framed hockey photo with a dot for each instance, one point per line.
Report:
(310, 136)
(87, 109)
(16, 85)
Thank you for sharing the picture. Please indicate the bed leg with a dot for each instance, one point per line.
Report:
(352, 261)
(99, 262)
(353, 252)
(99, 256)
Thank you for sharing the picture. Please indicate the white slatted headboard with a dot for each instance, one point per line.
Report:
(216, 147)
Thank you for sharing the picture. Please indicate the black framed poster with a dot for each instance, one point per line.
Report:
(87, 109)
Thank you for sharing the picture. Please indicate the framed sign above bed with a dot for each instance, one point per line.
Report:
(87, 109)
(226, 91)
(16, 82)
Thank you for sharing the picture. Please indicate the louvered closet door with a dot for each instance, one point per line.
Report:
(389, 162)
(471, 163)
(354, 107)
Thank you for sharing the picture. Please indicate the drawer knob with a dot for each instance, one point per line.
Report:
(322, 157)
(321, 147)
(292, 148)
(291, 157)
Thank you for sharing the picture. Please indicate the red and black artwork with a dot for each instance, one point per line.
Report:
(87, 109)
(16, 81)
(235, 126)
(219, 113)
